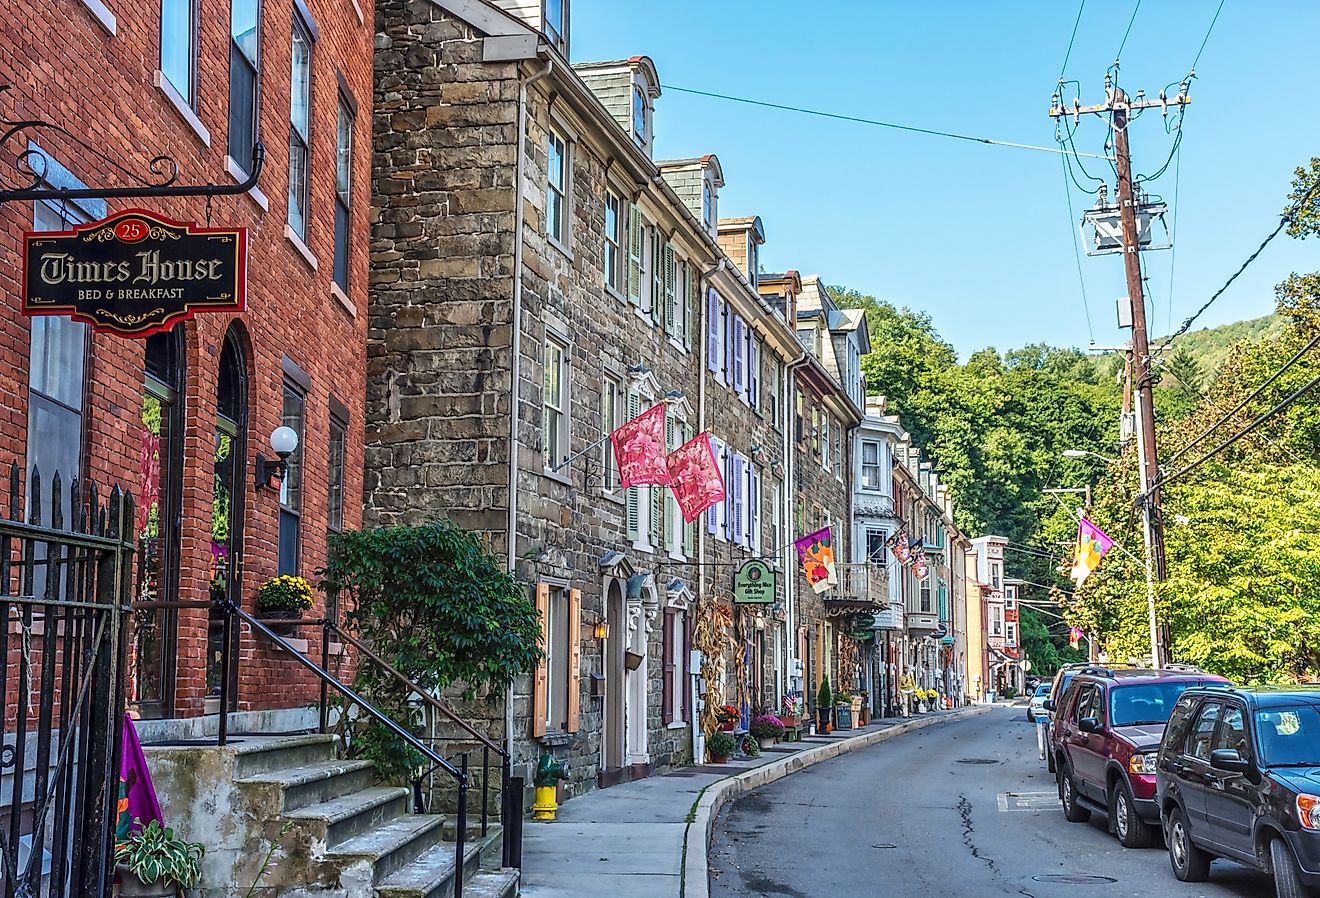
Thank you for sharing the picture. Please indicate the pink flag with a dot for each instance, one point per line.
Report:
(639, 449)
(694, 476)
(1092, 544)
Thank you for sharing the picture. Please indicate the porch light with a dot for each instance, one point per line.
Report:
(284, 442)
(602, 629)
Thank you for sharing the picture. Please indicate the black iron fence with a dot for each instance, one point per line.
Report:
(66, 568)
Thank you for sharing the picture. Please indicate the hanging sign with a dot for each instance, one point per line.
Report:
(754, 584)
(134, 273)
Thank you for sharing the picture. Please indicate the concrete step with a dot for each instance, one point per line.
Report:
(262, 754)
(393, 845)
(493, 884)
(431, 875)
(315, 783)
(473, 827)
(340, 819)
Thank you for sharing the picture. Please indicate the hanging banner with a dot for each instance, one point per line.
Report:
(639, 449)
(816, 552)
(1092, 544)
(694, 476)
(135, 273)
(754, 584)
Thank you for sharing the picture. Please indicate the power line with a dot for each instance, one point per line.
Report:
(1252, 395)
(876, 122)
(1129, 30)
(1284, 220)
(1207, 34)
(1077, 253)
(1068, 54)
(1293, 397)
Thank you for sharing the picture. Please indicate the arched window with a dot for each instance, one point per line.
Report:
(227, 497)
(159, 498)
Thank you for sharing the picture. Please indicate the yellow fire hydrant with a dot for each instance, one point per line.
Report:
(548, 774)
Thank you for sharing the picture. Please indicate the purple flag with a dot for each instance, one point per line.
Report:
(137, 797)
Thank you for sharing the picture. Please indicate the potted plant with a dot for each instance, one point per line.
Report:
(719, 745)
(792, 709)
(749, 746)
(824, 706)
(727, 716)
(152, 862)
(284, 598)
(861, 711)
(767, 730)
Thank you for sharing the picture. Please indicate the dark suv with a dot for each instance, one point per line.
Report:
(1239, 777)
(1105, 740)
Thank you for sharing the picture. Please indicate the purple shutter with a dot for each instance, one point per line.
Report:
(713, 332)
(726, 331)
(739, 355)
(713, 513)
(738, 531)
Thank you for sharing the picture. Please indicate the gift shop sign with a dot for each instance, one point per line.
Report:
(754, 584)
(134, 273)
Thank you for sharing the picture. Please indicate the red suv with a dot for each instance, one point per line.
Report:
(1105, 743)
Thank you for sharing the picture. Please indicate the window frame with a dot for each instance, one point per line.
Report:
(1188, 746)
(188, 93)
(557, 687)
(341, 267)
(640, 115)
(615, 270)
(292, 490)
(561, 193)
(865, 444)
(335, 471)
(612, 416)
(237, 55)
(298, 141)
(557, 33)
(562, 409)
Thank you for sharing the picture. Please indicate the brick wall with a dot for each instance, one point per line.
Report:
(66, 68)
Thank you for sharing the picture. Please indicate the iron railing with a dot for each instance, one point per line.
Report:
(63, 593)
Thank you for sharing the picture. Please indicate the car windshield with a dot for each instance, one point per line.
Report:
(1289, 737)
(1146, 703)
(1043, 689)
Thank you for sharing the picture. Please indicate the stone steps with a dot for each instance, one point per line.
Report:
(431, 875)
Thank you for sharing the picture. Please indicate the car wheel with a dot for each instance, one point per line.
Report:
(1132, 831)
(1072, 811)
(1287, 876)
(1049, 756)
(1030, 716)
(1190, 862)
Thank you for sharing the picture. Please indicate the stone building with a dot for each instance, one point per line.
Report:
(539, 279)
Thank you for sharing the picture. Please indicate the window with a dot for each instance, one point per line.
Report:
(640, 123)
(556, 20)
(555, 402)
(1089, 704)
(826, 441)
(1289, 736)
(300, 105)
(870, 465)
(1198, 740)
(244, 67)
(683, 302)
(555, 694)
(1010, 633)
(995, 569)
(636, 256)
(776, 520)
(343, 189)
(996, 620)
(776, 393)
(753, 369)
(876, 552)
(295, 406)
(656, 280)
(800, 416)
(674, 694)
(178, 47)
(925, 595)
(707, 202)
(556, 201)
(752, 264)
(335, 478)
(611, 416)
(613, 242)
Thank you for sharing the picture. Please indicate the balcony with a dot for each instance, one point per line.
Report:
(863, 589)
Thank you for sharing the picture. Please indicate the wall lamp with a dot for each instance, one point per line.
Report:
(284, 442)
(602, 630)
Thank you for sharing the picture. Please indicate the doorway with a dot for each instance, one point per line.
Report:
(230, 463)
(613, 749)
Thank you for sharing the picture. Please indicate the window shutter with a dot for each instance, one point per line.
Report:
(739, 349)
(690, 291)
(657, 278)
(713, 332)
(667, 653)
(540, 679)
(634, 256)
(713, 513)
(755, 534)
(574, 659)
(754, 373)
(726, 334)
(631, 495)
(670, 505)
(671, 291)
(736, 532)
(656, 533)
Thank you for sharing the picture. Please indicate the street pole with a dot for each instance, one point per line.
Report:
(1142, 364)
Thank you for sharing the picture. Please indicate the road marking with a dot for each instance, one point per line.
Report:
(1027, 801)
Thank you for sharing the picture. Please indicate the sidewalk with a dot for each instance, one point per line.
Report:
(646, 838)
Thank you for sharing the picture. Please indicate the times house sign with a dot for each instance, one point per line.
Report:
(134, 273)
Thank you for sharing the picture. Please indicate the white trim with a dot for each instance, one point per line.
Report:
(104, 17)
(236, 172)
(292, 236)
(342, 298)
(182, 108)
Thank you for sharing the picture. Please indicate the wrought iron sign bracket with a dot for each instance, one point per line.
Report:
(31, 164)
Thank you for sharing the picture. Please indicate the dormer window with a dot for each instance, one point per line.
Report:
(641, 116)
(707, 203)
(556, 20)
(752, 265)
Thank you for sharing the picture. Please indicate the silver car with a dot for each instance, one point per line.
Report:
(1036, 707)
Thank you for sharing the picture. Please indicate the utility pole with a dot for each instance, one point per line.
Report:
(1118, 106)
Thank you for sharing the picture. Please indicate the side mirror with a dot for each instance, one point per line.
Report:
(1049, 705)
(1228, 759)
(1089, 725)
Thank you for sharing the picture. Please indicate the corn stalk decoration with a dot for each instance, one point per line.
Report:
(712, 637)
(847, 663)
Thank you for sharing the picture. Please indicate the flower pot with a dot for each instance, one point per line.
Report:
(719, 759)
(728, 727)
(823, 720)
(132, 887)
(790, 720)
(765, 741)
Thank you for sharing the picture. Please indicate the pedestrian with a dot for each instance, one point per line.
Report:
(907, 687)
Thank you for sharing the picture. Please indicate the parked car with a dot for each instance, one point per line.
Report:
(1239, 777)
(1105, 742)
(1062, 677)
(1036, 707)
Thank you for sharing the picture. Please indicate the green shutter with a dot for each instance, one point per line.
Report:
(691, 289)
(632, 498)
(671, 290)
(634, 255)
(657, 278)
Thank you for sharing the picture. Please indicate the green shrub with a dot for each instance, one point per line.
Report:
(824, 696)
(719, 744)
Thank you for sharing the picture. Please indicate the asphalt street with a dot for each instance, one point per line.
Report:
(960, 809)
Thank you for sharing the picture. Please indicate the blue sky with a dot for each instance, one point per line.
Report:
(979, 236)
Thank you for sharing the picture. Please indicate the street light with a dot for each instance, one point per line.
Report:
(1083, 453)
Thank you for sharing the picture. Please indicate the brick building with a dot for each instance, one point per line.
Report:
(180, 418)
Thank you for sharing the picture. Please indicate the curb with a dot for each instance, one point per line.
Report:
(695, 882)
